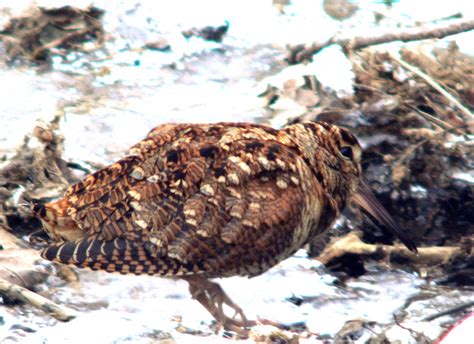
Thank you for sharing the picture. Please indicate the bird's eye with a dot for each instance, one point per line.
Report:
(346, 152)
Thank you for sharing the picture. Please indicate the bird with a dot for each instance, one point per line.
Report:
(204, 201)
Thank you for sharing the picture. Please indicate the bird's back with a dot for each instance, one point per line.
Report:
(219, 199)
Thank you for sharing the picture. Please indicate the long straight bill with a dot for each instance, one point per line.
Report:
(367, 201)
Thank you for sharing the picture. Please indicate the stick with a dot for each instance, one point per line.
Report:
(351, 243)
(454, 309)
(434, 120)
(301, 52)
(417, 34)
(60, 41)
(435, 85)
(16, 292)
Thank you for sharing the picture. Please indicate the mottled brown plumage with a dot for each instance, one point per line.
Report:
(201, 201)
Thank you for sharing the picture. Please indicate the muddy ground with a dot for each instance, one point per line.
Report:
(82, 84)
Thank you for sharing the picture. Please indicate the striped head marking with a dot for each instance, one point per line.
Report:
(333, 154)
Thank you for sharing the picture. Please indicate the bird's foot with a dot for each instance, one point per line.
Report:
(213, 298)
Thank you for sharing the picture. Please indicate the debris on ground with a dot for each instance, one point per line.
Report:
(36, 34)
(352, 244)
(158, 45)
(340, 9)
(18, 262)
(208, 33)
(271, 334)
(14, 292)
(36, 173)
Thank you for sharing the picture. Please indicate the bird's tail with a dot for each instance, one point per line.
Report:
(118, 255)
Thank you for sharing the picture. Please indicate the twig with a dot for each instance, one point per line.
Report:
(301, 53)
(367, 87)
(16, 292)
(445, 127)
(435, 85)
(395, 318)
(351, 243)
(454, 309)
(434, 120)
(60, 41)
(417, 34)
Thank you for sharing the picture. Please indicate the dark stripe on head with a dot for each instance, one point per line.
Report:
(325, 125)
(315, 127)
(348, 137)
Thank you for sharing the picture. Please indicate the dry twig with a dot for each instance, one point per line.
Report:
(415, 34)
(435, 120)
(16, 292)
(304, 52)
(351, 243)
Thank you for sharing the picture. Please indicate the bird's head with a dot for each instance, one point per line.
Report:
(334, 155)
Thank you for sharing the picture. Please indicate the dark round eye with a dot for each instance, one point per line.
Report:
(346, 152)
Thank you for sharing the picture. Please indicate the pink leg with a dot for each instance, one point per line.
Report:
(213, 297)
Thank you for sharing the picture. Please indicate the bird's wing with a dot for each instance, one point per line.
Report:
(217, 197)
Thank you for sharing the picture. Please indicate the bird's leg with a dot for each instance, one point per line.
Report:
(213, 297)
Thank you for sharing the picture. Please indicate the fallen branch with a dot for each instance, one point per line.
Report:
(417, 34)
(302, 53)
(13, 291)
(351, 244)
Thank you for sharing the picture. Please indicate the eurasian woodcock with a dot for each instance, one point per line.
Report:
(200, 201)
